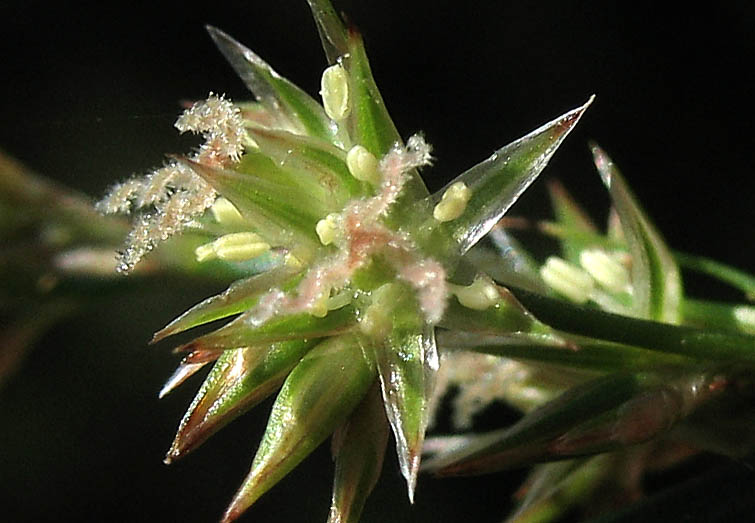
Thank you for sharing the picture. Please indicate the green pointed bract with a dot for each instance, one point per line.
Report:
(369, 122)
(358, 448)
(318, 395)
(529, 439)
(295, 109)
(332, 30)
(496, 183)
(246, 331)
(572, 218)
(240, 296)
(240, 379)
(657, 288)
(316, 165)
(407, 361)
(274, 209)
(371, 126)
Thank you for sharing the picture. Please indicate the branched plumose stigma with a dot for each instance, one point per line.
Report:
(353, 275)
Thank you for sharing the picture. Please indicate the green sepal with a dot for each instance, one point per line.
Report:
(656, 283)
(571, 217)
(368, 123)
(318, 395)
(371, 126)
(358, 449)
(331, 29)
(319, 167)
(497, 182)
(529, 439)
(239, 380)
(240, 296)
(294, 108)
(275, 209)
(244, 330)
(407, 362)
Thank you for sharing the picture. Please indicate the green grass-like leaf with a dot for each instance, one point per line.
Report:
(655, 276)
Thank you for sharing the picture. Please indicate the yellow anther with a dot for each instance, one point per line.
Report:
(327, 229)
(567, 279)
(205, 252)
(240, 246)
(377, 319)
(362, 164)
(339, 300)
(241, 252)
(605, 269)
(478, 296)
(453, 203)
(292, 262)
(225, 213)
(319, 308)
(334, 89)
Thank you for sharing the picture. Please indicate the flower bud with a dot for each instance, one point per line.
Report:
(567, 279)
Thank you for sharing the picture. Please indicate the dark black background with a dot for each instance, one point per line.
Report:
(88, 95)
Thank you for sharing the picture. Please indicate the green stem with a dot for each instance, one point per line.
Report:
(687, 341)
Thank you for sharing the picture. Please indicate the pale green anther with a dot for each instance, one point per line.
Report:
(225, 213)
(744, 315)
(334, 89)
(327, 229)
(319, 308)
(292, 262)
(240, 246)
(362, 164)
(567, 279)
(205, 252)
(377, 320)
(605, 269)
(453, 203)
(339, 300)
(242, 252)
(478, 296)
